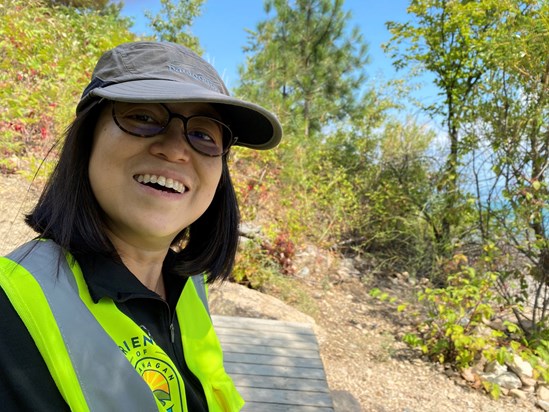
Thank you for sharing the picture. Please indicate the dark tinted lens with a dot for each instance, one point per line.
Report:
(146, 120)
(207, 135)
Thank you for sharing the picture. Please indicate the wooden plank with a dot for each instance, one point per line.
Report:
(269, 370)
(280, 350)
(287, 397)
(270, 325)
(271, 407)
(276, 366)
(274, 382)
(274, 335)
(290, 361)
(255, 339)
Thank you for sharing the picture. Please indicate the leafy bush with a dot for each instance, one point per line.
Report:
(450, 332)
(455, 328)
(47, 57)
(254, 267)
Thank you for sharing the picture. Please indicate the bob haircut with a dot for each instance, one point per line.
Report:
(68, 213)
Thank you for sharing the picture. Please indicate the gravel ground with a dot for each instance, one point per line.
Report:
(363, 354)
(17, 196)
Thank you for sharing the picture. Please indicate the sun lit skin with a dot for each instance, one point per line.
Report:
(142, 221)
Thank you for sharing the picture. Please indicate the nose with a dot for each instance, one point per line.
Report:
(172, 145)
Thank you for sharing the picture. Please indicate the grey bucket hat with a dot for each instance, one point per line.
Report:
(165, 72)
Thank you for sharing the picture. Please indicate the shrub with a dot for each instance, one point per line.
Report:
(47, 57)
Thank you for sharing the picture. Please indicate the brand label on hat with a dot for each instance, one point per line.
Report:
(197, 76)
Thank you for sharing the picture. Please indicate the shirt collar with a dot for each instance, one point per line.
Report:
(109, 277)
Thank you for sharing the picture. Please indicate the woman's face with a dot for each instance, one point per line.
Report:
(131, 177)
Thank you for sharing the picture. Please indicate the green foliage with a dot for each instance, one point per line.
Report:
(350, 179)
(304, 64)
(454, 327)
(492, 388)
(258, 260)
(254, 267)
(540, 360)
(174, 21)
(453, 41)
(382, 296)
(100, 5)
(47, 58)
(450, 334)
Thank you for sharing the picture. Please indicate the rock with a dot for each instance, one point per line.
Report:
(528, 389)
(517, 393)
(509, 381)
(304, 272)
(495, 368)
(521, 367)
(506, 380)
(347, 269)
(528, 382)
(231, 299)
(543, 393)
(468, 375)
(249, 230)
(345, 402)
(543, 405)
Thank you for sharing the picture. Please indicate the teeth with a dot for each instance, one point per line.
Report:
(162, 181)
(143, 178)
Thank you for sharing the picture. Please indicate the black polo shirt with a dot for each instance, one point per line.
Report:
(25, 382)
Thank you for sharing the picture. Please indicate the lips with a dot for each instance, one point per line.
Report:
(161, 183)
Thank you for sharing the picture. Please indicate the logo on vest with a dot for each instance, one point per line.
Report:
(157, 369)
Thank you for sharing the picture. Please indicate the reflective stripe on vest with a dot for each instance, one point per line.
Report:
(44, 293)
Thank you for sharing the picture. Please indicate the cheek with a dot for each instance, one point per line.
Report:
(103, 159)
(210, 182)
(215, 178)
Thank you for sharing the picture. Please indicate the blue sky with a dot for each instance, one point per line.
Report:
(221, 29)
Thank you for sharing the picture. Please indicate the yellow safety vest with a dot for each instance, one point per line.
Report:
(93, 350)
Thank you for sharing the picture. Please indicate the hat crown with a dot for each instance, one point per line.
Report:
(157, 61)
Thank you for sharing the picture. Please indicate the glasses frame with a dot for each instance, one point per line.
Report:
(231, 140)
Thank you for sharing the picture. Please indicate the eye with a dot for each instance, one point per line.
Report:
(198, 135)
(205, 130)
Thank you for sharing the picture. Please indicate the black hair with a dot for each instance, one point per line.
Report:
(68, 213)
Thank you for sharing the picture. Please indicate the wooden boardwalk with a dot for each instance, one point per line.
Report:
(275, 365)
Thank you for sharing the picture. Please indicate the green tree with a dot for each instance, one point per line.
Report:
(452, 40)
(102, 6)
(514, 113)
(304, 61)
(174, 21)
(489, 60)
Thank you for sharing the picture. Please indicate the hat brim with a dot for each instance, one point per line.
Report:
(254, 126)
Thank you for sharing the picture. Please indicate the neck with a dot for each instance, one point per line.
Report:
(145, 264)
(148, 269)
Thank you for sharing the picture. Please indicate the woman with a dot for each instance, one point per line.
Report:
(107, 309)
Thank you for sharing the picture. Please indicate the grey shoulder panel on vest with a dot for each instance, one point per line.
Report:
(107, 379)
(200, 287)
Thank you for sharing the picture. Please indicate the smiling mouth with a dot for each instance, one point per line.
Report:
(164, 184)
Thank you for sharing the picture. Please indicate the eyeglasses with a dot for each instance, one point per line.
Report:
(204, 134)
